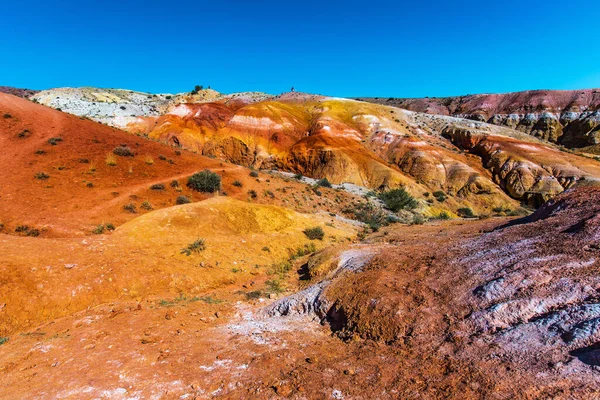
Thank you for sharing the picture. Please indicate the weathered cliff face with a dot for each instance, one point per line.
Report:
(570, 118)
(475, 164)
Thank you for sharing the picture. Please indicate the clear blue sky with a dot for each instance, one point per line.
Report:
(341, 48)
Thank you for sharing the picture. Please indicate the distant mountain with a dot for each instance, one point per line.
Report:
(570, 117)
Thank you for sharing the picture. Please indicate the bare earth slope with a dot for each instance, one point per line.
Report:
(569, 117)
(64, 178)
(434, 311)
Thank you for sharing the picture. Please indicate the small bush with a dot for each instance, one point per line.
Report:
(157, 186)
(42, 176)
(398, 199)
(315, 233)
(130, 208)
(418, 219)
(443, 216)
(7, 116)
(40, 152)
(237, 184)
(84, 161)
(3, 339)
(54, 141)
(27, 230)
(196, 246)
(162, 158)
(252, 193)
(466, 212)
(122, 151)
(109, 227)
(99, 230)
(440, 196)
(205, 181)
(298, 177)
(182, 200)
(324, 183)
(146, 206)
(254, 174)
(174, 184)
(268, 193)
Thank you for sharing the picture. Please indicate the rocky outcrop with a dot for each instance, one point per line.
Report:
(570, 118)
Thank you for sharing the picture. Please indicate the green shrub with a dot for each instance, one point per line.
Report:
(314, 233)
(146, 206)
(182, 200)
(324, 183)
(205, 181)
(418, 219)
(40, 152)
(440, 196)
(157, 186)
(42, 176)
(298, 177)
(254, 174)
(54, 141)
(3, 339)
(443, 216)
(123, 151)
(465, 212)
(174, 184)
(99, 230)
(252, 193)
(398, 199)
(196, 246)
(7, 116)
(130, 208)
(237, 184)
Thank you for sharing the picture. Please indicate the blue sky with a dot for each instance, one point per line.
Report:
(339, 48)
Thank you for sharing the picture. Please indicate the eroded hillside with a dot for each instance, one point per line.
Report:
(567, 117)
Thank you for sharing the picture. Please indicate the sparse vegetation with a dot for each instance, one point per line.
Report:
(443, 216)
(324, 183)
(54, 141)
(42, 176)
(440, 196)
(130, 208)
(237, 183)
(398, 199)
(6, 116)
(3, 339)
(196, 246)
(146, 206)
(466, 212)
(254, 174)
(205, 181)
(103, 227)
(418, 219)
(123, 151)
(298, 177)
(157, 186)
(40, 152)
(182, 200)
(314, 233)
(252, 193)
(27, 230)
